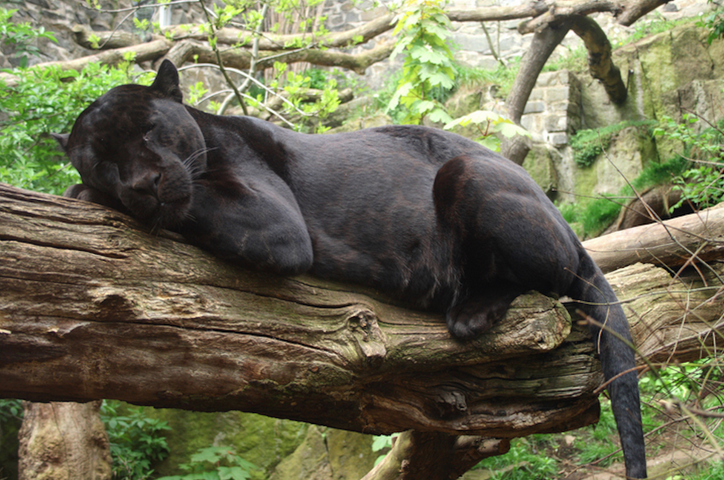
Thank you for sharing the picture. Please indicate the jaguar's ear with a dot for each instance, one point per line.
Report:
(62, 139)
(167, 82)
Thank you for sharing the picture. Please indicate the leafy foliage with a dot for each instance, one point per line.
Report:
(137, 441)
(575, 60)
(11, 417)
(20, 37)
(428, 66)
(527, 459)
(382, 443)
(45, 101)
(714, 22)
(10, 409)
(703, 183)
(215, 463)
(537, 456)
(489, 124)
(587, 145)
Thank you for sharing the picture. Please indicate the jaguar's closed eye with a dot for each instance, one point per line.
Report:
(106, 173)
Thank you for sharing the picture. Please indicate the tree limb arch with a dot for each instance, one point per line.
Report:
(92, 306)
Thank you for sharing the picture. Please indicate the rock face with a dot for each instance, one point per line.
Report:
(261, 440)
(328, 454)
(668, 74)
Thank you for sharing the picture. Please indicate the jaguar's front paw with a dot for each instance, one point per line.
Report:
(90, 194)
(474, 316)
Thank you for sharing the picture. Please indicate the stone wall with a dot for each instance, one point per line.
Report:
(667, 74)
(553, 111)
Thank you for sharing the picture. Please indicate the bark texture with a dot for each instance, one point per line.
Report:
(63, 441)
(542, 46)
(600, 64)
(675, 243)
(92, 307)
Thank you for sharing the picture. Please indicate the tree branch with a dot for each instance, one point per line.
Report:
(600, 64)
(92, 307)
(669, 243)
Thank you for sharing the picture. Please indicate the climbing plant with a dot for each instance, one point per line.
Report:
(422, 30)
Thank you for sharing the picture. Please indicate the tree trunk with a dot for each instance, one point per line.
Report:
(432, 456)
(543, 44)
(179, 328)
(63, 441)
(600, 64)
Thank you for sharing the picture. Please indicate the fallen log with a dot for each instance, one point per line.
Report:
(698, 237)
(92, 306)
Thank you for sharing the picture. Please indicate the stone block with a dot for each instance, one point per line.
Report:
(472, 43)
(547, 79)
(557, 94)
(556, 123)
(558, 107)
(557, 138)
(536, 94)
(534, 107)
(527, 122)
(335, 21)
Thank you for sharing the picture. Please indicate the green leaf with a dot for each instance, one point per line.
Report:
(427, 54)
(439, 115)
(437, 78)
(233, 473)
(491, 141)
(509, 129)
(422, 107)
(380, 442)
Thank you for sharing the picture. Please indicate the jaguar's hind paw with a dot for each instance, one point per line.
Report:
(478, 315)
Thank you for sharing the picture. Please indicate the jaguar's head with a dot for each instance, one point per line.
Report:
(141, 146)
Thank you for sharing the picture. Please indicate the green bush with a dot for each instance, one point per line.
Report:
(137, 441)
(215, 463)
(42, 102)
(587, 145)
(702, 183)
(20, 37)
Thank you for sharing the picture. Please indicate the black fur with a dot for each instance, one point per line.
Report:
(422, 214)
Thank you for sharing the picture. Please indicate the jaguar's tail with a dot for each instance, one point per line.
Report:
(610, 332)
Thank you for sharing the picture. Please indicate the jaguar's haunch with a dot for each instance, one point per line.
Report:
(419, 213)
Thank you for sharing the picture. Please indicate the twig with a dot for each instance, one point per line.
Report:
(213, 45)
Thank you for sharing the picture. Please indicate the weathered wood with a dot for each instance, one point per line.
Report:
(63, 441)
(234, 36)
(144, 52)
(92, 307)
(672, 243)
(433, 455)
